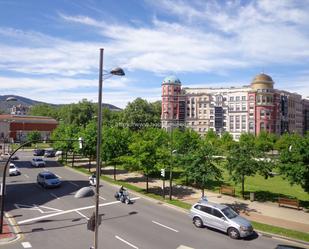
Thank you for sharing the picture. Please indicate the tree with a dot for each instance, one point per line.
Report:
(241, 161)
(201, 166)
(43, 110)
(89, 135)
(265, 141)
(115, 144)
(140, 114)
(33, 136)
(68, 134)
(226, 143)
(294, 160)
(145, 151)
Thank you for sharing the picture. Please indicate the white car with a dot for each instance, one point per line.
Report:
(38, 162)
(58, 153)
(13, 170)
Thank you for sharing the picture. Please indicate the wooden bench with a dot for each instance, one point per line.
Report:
(288, 202)
(227, 190)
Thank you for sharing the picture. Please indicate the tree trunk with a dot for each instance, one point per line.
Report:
(147, 183)
(114, 172)
(203, 187)
(73, 158)
(243, 186)
(89, 164)
(66, 157)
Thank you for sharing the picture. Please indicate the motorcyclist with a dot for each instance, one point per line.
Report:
(92, 179)
(121, 190)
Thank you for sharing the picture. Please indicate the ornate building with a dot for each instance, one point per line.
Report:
(252, 108)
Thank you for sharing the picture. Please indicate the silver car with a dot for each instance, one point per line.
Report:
(48, 179)
(220, 217)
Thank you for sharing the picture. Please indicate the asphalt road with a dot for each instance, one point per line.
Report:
(53, 218)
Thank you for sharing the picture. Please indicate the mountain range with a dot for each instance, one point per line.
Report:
(6, 105)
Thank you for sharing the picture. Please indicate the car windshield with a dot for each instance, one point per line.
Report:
(12, 167)
(229, 213)
(38, 159)
(50, 176)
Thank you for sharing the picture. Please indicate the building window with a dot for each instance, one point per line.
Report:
(251, 98)
(243, 98)
(211, 111)
(237, 108)
(231, 98)
(231, 107)
(211, 124)
(251, 125)
(262, 126)
(192, 123)
(205, 112)
(237, 98)
(243, 107)
(262, 113)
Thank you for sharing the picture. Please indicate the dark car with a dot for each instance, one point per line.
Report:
(49, 153)
(48, 179)
(38, 152)
(288, 247)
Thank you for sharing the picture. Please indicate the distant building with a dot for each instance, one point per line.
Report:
(16, 127)
(19, 109)
(251, 108)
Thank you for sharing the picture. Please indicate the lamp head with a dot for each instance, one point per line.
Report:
(117, 71)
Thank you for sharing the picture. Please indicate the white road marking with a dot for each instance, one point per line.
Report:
(82, 215)
(128, 243)
(102, 198)
(184, 247)
(52, 194)
(26, 175)
(164, 226)
(74, 184)
(26, 245)
(70, 211)
(37, 208)
(59, 176)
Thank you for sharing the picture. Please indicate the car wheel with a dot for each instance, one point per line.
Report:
(233, 233)
(198, 222)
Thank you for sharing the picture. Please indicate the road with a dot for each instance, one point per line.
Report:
(53, 218)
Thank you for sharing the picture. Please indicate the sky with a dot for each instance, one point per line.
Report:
(49, 50)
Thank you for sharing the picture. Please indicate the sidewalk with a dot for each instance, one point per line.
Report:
(8, 234)
(264, 212)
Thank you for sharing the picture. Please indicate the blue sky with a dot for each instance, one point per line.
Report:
(49, 50)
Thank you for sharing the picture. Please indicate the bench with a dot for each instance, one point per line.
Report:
(227, 190)
(288, 202)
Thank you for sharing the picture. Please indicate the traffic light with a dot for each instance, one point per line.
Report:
(163, 172)
(91, 223)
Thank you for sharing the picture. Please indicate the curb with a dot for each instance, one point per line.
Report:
(16, 232)
(276, 236)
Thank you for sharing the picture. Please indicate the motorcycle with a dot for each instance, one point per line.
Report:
(124, 197)
(92, 180)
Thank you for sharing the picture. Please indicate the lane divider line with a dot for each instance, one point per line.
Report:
(70, 211)
(124, 241)
(82, 215)
(102, 198)
(176, 231)
(52, 194)
(74, 184)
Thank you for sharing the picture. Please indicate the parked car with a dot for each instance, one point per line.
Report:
(38, 162)
(220, 217)
(38, 152)
(49, 153)
(48, 179)
(5, 156)
(13, 170)
(58, 153)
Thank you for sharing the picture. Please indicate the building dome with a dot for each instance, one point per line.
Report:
(171, 80)
(262, 81)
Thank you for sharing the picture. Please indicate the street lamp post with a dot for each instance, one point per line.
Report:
(119, 72)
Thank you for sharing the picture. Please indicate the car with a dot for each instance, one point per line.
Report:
(220, 217)
(58, 153)
(48, 179)
(38, 162)
(49, 153)
(38, 152)
(13, 170)
(5, 156)
(288, 247)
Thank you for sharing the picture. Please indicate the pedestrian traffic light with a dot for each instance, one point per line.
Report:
(91, 223)
(163, 172)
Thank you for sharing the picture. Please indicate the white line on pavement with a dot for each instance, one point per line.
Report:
(102, 198)
(76, 185)
(165, 226)
(70, 211)
(82, 215)
(52, 194)
(26, 245)
(128, 243)
(26, 175)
